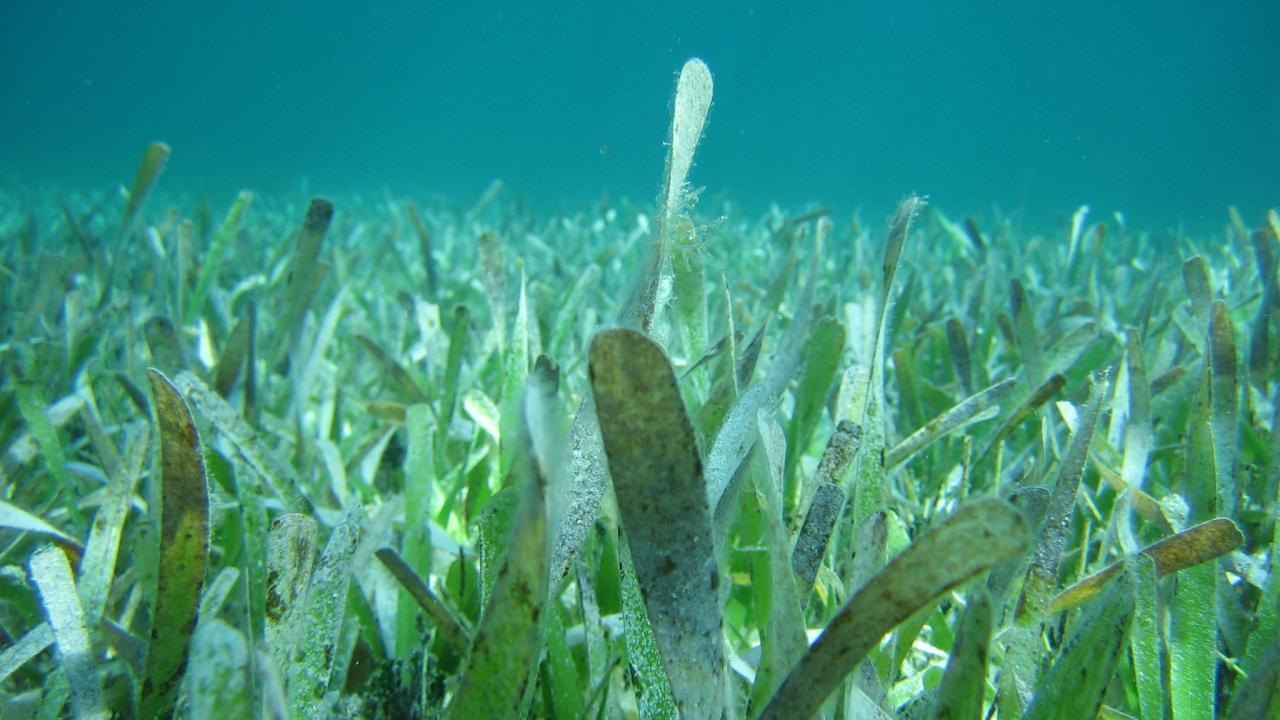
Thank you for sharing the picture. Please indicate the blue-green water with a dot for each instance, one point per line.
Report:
(1167, 111)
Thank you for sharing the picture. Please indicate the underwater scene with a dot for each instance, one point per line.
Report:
(713, 360)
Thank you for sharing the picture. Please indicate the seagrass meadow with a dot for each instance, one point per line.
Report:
(378, 457)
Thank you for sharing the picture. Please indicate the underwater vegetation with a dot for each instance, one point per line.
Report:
(373, 459)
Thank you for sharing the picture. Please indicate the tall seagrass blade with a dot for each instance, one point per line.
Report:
(657, 476)
(184, 546)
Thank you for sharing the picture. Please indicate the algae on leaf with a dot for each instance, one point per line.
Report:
(184, 546)
(1197, 544)
(493, 534)
(587, 473)
(1042, 573)
(219, 684)
(291, 554)
(1144, 641)
(662, 497)
(415, 544)
(310, 672)
(51, 574)
(1224, 397)
(977, 537)
(867, 492)
(1074, 686)
(1137, 429)
(656, 699)
(733, 442)
(588, 478)
(693, 101)
(811, 544)
(1193, 645)
(500, 669)
(689, 116)
(822, 358)
(493, 267)
(827, 488)
(963, 684)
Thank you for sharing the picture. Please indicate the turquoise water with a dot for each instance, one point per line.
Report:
(1166, 111)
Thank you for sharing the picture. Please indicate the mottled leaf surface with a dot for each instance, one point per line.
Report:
(51, 574)
(219, 685)
(309, 673)
(291, 554)
(977, 537)
(504, 652)
(184, 545)
(964, 682)
(657, 476)
(1074, 686)
(1195, 545)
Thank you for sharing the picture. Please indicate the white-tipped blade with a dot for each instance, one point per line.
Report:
(693, 100)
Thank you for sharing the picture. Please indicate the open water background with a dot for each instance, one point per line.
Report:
(1166, 111)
